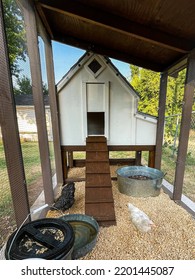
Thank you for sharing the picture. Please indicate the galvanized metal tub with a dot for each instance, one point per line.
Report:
(137, 187)
(86, 230)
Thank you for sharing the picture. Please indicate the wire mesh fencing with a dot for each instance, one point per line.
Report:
(170, 149)
(7, 220)
(26, 118)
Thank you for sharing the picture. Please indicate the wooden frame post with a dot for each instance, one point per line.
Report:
(161, 120)
(151, 159)
(70, 159)
(10, 133)
(64, 164)
(185, 127)
(138, 157)
(37, 88)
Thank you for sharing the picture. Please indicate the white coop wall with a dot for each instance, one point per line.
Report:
(145, 131)
(113, 96)
(71, 115)
(122, 109)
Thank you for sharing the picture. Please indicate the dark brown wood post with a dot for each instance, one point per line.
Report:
(64, 165)
(138, 156)
(35, 67)
(151, 159)
(70, 159)
(9, 128)
(185, 127)
(161, 120)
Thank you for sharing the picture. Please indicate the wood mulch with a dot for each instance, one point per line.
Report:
(172, 237)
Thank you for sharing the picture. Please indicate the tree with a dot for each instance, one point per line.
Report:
(24, 86)
(45, 89)
(146, 83)
(175, 92)
(15, 35)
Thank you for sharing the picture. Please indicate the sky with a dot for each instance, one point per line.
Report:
(65, 57)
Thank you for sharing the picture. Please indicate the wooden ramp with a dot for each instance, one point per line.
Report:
(99, 201)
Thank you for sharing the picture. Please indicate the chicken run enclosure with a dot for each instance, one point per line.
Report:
(87, 125)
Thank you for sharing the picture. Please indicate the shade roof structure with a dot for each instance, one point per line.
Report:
(154, 34)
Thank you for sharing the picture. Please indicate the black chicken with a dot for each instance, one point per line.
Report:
(66, 199)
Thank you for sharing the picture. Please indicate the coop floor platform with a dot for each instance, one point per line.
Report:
(99, 201)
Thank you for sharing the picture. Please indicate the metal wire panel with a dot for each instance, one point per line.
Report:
(10, 133)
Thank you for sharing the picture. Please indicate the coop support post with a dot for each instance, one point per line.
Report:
(138, 156)
(37, 89)
(185, 127)
(10, 134)
(64, 164)
(151, 159)
(70, 159)
(161, 119)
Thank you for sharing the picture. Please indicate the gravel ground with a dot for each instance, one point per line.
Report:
(172, 238)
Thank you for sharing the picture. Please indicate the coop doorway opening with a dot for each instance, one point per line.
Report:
(95, 123)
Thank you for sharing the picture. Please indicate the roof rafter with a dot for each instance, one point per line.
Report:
(118, 24)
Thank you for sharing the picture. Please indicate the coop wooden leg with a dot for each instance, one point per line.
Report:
(138, 158)
(64, 165)
(70, 159)
(151, 159)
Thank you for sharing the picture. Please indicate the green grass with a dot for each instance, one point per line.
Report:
(32, 166)
(121, 154)
(116, 154)
(31, 157)
(5, 196)
(79, 155)
(168, 166)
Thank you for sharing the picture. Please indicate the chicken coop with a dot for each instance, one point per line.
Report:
(140, 34)
(98, 114)
(95, 99)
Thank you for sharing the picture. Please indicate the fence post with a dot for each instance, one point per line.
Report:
(185, 127)
(161, 119)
